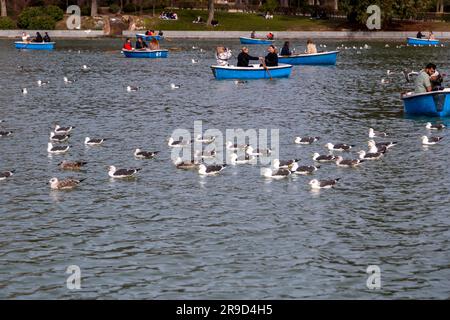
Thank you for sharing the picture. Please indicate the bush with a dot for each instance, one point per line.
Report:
(86, 11)
(270, 6)
(55, 12)
(42, 23)
(128, 8)
(27, 14)
(7, 23)
(114, 8)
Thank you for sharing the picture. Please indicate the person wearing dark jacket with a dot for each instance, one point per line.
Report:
(244, 58)
(38, 38)
(140, 44)
(285, 51)
(47, 38)
(271, 59)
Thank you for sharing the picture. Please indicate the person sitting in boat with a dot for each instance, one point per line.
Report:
(25, 37)
(310, 47)
(222, 56)
(436, 80)
(160, 33)
(270, 36)
(423, 82)
(47, 37)
(431, 36)
(147, 33)
(127, 45)
(285, 51)
(271, 58)
(244, 58)
(38, 37)
(141, 44)
(252, 35)
(419, 35)
(154, 45)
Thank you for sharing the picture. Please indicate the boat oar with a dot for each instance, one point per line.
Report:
(265, 68)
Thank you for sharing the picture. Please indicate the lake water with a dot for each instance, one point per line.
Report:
(172, 234)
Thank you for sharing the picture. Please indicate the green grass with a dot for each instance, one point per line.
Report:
(240, 22)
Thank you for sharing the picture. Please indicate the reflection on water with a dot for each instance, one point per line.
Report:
(172, 234)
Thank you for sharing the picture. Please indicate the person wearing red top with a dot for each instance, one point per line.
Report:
(127, 45)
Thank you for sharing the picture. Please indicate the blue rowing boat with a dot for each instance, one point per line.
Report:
(149, 38)
(255, 72)
(245, 40)
(151, 54)
(34, 45)
(434, 103)
(422, 42)
(321, 58)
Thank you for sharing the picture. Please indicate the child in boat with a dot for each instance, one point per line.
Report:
(285, 51)
(222, 56)
(310, 47)
(127, 45)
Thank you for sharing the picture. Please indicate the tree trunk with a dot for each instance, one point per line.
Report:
(94, 8)
(141, 7)
(284, 3)
(440, 6)
(4, 13)
(210, 12)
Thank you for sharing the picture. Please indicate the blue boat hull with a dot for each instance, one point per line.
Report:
(245, 40)
(153, 54)
(435, 104)
(149, 38)
(422, 42)
(247, 73)
(34, 45)
(322, 58)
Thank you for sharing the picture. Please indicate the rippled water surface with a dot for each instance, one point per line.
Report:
(171, 234)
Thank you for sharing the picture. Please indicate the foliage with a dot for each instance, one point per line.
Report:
(7, 23)
(114, 8)
(86, 11)
(27, 14)
(54, 12)
(42, 23)
(269, 5)
(128, 8)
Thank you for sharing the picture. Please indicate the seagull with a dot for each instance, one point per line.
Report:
(140, 154)
(42, 83)
(210, 170)
(93, 142)
(174, 86)
(257, 152)
(194, 48)
(369, 155)
(430, 126)
(177, 144)
(206, 140)
(305, 140)
(132, 88)
(24, 91)
(7, 174)
(194, 61)
(5, 133)
(240, 82)
(408, 75)
(323, 184)
(386, 46)
(284, 164)
(71, 165)
(304, 170)
(323, 158)
(65, 184)
(275, 174)
(122, 173)
(63, 130)
(205, 155)
(235, 147)
(66, 80)
(431, 140)
(85, 68)
(387, 145)
(339, 146)
(347, 163)
(373, 133)
(373, 148)
(57, 149)
(384, 81)
(234, 159)
(58, 137)
(180, 164)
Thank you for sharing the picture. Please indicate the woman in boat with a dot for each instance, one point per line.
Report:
(38, 37)
(222, 56)
(154, 44)
(160, 33)
(140, 44)
(310, 47)
(271, 58)
(436, 80)
(25, 37)
(431, 36)
(244, 58)
(127, 45)
(285, 51)
(252, 35)
(47, 38)
(419, 35)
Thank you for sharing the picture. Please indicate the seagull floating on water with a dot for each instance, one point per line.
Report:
(66, 80)
(347, 163)
(369, 155)
(42, 83)
(122, 173)
(63, 130)
(323, 158)
(373, 133)
(57, 149)
(24, 91)
(72, 165)
(387, 144)
(240, 81)
(186, 165)
(305, 140)
(194, 61)
(339, 146)
(178, 143)
(206, 140)
(5, 133)
(430, 126)
(275, 174)
(303, 170)
(284, 164)
(205, 155)
(93, 142)
(140, 154)
(65, 184)
(6, 174)
(235, 160)
(257, 152)
(85, 68)
(431, 140)
(174, 86)
(59, 137)
(210, 170)
(132, 88)
(234, 146)
(323, 184)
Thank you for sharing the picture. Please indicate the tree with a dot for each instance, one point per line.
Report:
(440, 6)
(4, 13)
(210, 12)
(94, 8)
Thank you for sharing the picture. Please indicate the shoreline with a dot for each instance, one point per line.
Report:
(341, 35)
